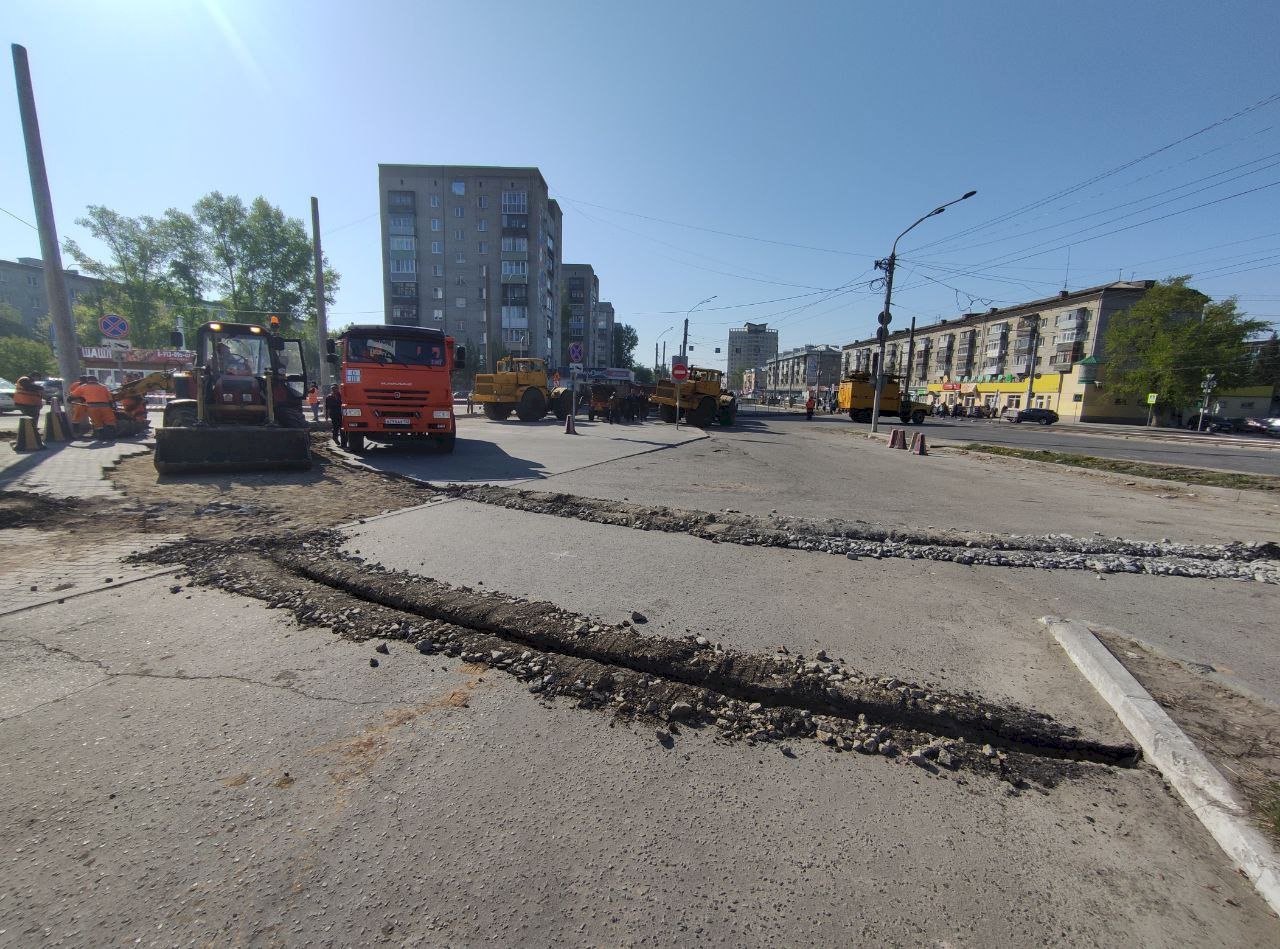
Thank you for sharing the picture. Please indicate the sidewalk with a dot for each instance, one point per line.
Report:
(65, 469)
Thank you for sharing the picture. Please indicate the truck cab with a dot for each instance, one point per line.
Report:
(396, 384)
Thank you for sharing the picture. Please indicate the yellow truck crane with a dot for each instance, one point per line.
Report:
(702, 400)
(857, 395)
(520, 386)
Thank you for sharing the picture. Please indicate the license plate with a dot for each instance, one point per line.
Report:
(396, 421)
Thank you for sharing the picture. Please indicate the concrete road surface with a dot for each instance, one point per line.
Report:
(201, 769)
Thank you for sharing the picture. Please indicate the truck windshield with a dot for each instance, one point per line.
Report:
(411, 352)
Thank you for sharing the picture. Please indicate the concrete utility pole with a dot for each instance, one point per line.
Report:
(1031, 358)
(882, 333)
(684, 343)
(55, 283)
(322, 320)
(911, 356)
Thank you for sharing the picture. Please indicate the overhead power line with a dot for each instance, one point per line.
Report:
(19, 220)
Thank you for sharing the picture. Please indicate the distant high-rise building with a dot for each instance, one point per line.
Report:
(589, 322)
(751, 347)
(602, 333)
(472, 249)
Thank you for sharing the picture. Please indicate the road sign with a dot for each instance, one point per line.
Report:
(882, 333)
(576, 366)
(117, 343)
(1151, 397)
(114, 325)
(575, 352)
(679, 372)
(884, 318)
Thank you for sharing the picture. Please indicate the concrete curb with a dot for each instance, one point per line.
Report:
(1183, 765)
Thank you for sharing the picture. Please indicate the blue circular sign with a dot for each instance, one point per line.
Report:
(575, 352)
(114, 325)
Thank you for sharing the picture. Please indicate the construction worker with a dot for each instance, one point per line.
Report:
(313, 400)
(99, 406)
(79, 411)
(333, 411)
(28, 397)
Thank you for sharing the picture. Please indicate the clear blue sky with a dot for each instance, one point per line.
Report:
(830, 125)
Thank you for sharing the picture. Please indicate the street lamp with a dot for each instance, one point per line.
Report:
(656, 364)
(684, 343)
(882, 332)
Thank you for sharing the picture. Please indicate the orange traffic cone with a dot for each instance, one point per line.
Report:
(917, 444)
(897, 439)
(569, 427)
(28, 436)
(57, 427)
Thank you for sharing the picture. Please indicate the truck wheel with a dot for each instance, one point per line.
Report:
(917, 417)
(729, 412)
(666, 412)
(533, 405)
(702, 415)
(355, 442)
(490, 411)
(446, 442)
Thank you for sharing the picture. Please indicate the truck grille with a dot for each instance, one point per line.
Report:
(397, 398)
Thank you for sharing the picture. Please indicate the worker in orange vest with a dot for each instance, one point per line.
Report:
(28, 397)
(79, 412)
(100, 406)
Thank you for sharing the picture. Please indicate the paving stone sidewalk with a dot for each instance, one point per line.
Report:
(67, 469)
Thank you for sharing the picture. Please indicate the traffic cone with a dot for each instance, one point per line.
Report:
(569, 427)
(57, 427)
(917, 444)
(28, 436)
(897, 439)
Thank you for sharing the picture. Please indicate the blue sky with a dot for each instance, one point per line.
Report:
(827, 125)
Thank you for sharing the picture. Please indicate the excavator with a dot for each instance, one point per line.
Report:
(131, 402)
(240, 406)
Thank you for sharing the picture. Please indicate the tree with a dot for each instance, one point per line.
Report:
(11, 322)
(1171, 339)
(24, 357)
(625, 341)
(1266, 364)
(644, 375)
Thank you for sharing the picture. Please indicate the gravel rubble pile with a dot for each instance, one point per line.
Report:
(672, 684)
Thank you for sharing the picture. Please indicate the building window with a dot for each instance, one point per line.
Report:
(404, 315)
(459, 188)
(437, 270)
(482, 224)
(438, 315)
(437, 293)
(482, 202)
(435, 200)
(458, 211)
(483, 247)
(404, 243)
(515, 268)
(515, 244)
(437, 247)
(457, 234)
(435, 224)
(515, 202)
(404, 266)
(400, 223)
(460, 303)
(1014, 402)
(400, 199)
(407, 291)
(461, 280)
(460, 257)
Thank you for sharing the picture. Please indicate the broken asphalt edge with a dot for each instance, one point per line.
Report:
(1183, 765)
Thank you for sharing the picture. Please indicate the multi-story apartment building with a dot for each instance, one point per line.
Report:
(473, 250)
(22, 287)
(750, 348)
(601, 351)
(986, 358)
(796, 371)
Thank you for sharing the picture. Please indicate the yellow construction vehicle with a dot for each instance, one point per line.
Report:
(857, 396)
(240, 407)
(700, 399)
(131, 402)
(520, 386)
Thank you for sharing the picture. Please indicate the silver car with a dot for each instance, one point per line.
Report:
(6, 395)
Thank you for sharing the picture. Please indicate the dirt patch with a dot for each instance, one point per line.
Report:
(1181, 473)
(1239, 734)
(674, 684)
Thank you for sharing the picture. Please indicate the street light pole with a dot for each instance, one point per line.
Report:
(882, 333)
(1206, 388)
(684, 343)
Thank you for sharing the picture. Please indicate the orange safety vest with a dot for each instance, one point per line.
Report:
(23, 396)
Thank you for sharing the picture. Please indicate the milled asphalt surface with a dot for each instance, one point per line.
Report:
(271, 787)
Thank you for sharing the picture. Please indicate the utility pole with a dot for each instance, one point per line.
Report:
(911, 356)
(655, 359)
(684, 341)
(55, 283)
(1031, 358)
(490, 342)
(322, 320)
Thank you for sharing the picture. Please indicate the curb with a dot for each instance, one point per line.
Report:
(1183, 765)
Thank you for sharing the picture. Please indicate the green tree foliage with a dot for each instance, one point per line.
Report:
(252, 259)
(24, 357)
(1266, 366)
(644, 375)
(625, 341)
(11, 322)
(1171, 339)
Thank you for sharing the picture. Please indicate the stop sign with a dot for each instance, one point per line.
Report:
(679, 372)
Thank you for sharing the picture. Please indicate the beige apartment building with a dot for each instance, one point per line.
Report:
(472, 250)
(985, 358)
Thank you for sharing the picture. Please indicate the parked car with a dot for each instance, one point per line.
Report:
(1214, 424)
(1271, 426)
(1043, 416)
(6, 395)
(52, 388)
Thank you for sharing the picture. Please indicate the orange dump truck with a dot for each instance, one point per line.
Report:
(396, 384)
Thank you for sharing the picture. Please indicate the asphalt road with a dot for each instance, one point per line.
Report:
(201, 769)
(1228, 453)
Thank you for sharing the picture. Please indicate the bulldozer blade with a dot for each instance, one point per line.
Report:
(231, 448)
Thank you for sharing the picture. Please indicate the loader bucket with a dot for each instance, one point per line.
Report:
(231, 448)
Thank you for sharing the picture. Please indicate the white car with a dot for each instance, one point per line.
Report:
(6, 395)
